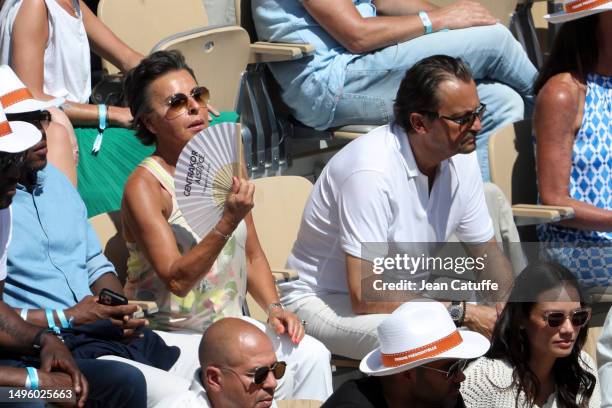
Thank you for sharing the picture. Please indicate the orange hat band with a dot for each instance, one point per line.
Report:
(423, 352)
(5, 129)
(15, 96)
(580, 5)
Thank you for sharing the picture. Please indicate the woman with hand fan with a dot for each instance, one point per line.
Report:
(200, 275)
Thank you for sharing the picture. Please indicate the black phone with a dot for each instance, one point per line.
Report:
(110, 298)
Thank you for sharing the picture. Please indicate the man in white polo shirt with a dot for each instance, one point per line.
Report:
(415, 180)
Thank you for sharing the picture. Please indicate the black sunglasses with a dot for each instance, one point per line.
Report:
(455, 368)
(179, 101)
(260, 374)
(40, 118)
(578, 317)
(467, 119)
(11, 159)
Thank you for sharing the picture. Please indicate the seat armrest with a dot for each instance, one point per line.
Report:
(567, 212)
(284, 275)
(532, 214)
(274, 52)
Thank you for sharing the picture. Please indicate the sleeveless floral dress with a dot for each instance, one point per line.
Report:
(221, 293)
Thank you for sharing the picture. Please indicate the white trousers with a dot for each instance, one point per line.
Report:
(308, 374)
(332, 321)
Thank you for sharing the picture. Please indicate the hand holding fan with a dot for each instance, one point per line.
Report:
(203, 177)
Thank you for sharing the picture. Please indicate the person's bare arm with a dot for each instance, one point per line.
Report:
(359, 35)
(106, 44)
(261, 286)
(142, 213)
(497, 269)
(109, 281)
(364, 298)
(557, 119)
(28, 41)
(402, 7)
(29, 38)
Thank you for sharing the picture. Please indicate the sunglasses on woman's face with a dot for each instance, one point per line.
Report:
(40, 119)
(178, 103)
(578, 317)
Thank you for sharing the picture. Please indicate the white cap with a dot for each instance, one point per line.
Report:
(16, 136)
(16, 98)
(573, 9)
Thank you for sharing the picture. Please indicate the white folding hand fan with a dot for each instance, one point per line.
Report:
(203, 177)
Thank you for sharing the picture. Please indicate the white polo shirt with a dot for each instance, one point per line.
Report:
(5, 239)
(372, 191)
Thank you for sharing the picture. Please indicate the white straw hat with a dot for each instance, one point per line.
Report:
(573, 9)
(16, 136)
(417, 333)
(16, 98)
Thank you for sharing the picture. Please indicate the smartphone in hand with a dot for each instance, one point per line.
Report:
(109, 298)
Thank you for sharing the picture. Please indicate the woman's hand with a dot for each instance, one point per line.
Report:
(239, 203)
(284, 321)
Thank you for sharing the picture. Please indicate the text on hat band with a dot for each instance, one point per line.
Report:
(428, 350)
(580, 5)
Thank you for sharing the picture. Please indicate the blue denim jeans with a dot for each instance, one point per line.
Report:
(503, 72)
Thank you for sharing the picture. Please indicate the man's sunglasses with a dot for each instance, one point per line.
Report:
(578, 317)
(178, 103)
(40, 118)
(455, 368)
(260, 374)
(11, 159)
(464, 121)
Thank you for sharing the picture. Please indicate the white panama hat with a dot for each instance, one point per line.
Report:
(16, 136)
(419, 332)
(573, 9)
(15, 97)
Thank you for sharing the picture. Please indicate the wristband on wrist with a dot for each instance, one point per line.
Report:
(66, 323)
(32, 379)
(225, 237)
(50, 318)
(102, 117)
(24, 314)
(427, 27)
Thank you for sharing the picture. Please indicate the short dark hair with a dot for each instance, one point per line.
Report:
(418, 91)
(136, 87)
(574, 50)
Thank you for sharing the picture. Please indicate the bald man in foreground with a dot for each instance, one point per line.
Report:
(238, 369)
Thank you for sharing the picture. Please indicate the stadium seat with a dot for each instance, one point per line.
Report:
(108, 229)
(143, 23)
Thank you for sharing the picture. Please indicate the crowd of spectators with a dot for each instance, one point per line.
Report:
(439, 81)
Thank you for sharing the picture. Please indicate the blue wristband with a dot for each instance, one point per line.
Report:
(66, 324)
(50, 319)
(32, 379)
(426, 22)
(102, 114)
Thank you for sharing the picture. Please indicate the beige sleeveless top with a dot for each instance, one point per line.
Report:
(221, 293)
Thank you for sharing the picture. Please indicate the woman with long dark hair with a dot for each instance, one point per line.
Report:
(573, 130)
(535, 359)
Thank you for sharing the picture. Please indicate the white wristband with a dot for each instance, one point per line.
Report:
(24, 313)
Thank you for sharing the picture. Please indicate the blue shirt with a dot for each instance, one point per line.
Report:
(311, 86)
(54, 255)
